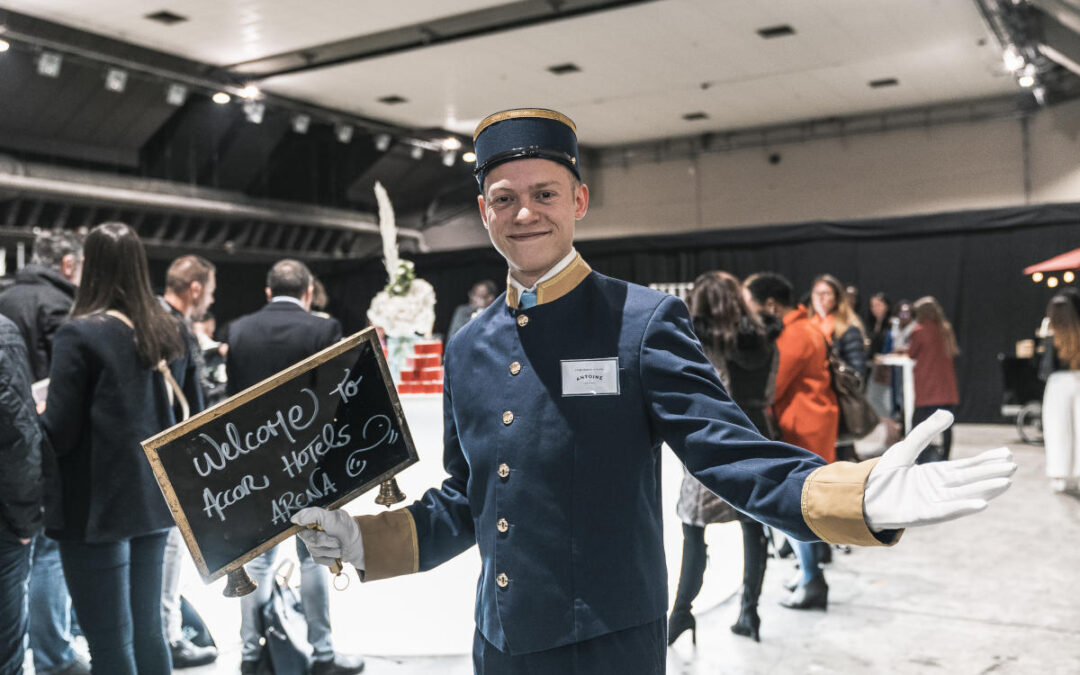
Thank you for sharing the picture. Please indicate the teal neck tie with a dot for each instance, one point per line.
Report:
(528, 300)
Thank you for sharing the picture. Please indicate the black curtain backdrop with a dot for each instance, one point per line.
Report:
(970, 261)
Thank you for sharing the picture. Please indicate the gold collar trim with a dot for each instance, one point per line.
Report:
(555, 287)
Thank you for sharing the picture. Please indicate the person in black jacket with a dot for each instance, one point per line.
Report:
(261, 344)
(38, 303)
(742, 347)
(41, 297)
(110, 388)
(20, 493)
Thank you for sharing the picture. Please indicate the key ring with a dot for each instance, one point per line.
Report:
(341, 580)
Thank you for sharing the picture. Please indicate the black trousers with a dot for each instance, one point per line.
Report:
(641, 650)
(933, 453)
(116, 592)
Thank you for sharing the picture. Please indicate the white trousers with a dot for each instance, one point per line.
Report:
(1061, 424)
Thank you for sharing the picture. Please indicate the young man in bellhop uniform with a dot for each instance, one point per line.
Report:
(557, 399)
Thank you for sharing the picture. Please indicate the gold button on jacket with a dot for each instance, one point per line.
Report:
(523, 320)
(503, 525)
(515, 368)
(502, 580)
(504, 470)
(508, 417)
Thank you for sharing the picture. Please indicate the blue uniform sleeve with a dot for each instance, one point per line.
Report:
(443, 519)
(692, 412)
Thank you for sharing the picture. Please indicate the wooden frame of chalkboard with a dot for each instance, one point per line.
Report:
(271, 420)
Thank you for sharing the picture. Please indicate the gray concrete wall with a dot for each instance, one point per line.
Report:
(910, 171)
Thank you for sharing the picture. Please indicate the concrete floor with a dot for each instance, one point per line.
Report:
(995, 593)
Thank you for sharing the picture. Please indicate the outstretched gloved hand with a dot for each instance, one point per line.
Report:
(339, 539)
(900, 493)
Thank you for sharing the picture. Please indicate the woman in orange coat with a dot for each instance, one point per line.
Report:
(804, 405)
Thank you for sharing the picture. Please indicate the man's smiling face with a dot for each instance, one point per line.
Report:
(529, 208)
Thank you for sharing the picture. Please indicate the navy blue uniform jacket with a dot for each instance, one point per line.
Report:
(562, 493)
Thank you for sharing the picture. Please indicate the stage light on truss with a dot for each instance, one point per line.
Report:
(221, 98)
(4, 46)
(449, 157)
(382, 142)
(301, 123)
(1013, 59)
(250, 92)
(254, 111)
(1068, 277)
(176, 94)
(344, 132)
(1037, 277)
(416, 153)
(49, 64)
(451, 143)
(116, 80)
(1051, 282)
(469, 157)
(1027, 76)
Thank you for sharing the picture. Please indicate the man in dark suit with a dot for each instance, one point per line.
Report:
(261, 344)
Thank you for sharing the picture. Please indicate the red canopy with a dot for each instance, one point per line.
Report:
(1059, 263)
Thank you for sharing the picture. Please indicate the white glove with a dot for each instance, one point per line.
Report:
(900, 493)
(339, 539)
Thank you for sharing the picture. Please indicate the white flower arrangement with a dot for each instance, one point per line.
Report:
(406, 306)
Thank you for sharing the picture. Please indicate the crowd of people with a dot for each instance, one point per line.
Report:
(89, 545)
(771, 355)
(738, 384)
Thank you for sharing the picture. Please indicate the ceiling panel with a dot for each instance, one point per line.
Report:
(644, 67)
(222, 32)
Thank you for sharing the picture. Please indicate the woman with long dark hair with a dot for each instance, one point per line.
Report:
(1061, 400)
(110, 389)
(741, 346)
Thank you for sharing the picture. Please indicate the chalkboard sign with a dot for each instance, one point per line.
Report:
(317, 434)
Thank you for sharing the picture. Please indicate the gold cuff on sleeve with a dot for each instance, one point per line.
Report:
(390, 547)
(832, 504)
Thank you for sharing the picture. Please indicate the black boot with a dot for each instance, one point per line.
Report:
(814, 594)
(680, 622)
(755, 557)
(690, 578)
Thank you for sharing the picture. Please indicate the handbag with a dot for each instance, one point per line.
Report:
(286, 650)
(857, 417)
(194, 628)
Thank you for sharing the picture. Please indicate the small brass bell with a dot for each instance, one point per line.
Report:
(239, 583)
(389, 493)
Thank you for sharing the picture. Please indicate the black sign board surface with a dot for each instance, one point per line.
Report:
(317, 434)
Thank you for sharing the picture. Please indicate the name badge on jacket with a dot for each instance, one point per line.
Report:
(590, 377)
